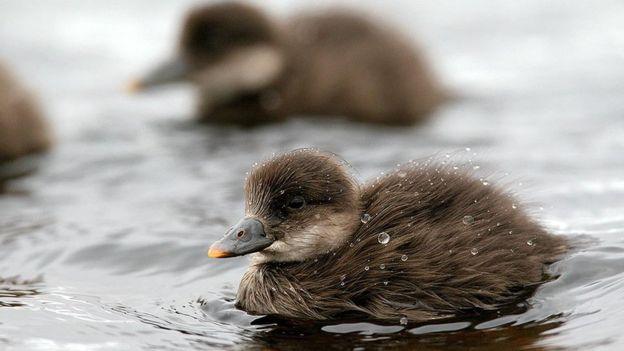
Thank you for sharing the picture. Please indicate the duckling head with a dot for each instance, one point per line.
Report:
(298, 205)
(224, 48)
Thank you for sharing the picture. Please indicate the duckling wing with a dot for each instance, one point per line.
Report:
(348, 64)
(439, 241)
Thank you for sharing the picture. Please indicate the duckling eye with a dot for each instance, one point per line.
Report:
(296, 202)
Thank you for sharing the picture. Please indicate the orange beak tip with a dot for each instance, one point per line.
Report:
(134, 87)
(216, 253)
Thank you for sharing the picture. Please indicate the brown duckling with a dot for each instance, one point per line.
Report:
(250, 68)
(23, 130)
(423, 242)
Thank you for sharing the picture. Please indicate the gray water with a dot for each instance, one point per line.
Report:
(104, 247)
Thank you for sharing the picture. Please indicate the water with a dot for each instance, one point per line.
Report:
(104, 248)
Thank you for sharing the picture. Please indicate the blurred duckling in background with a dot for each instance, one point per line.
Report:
(422, 242)
(250, 69)
(23, 130)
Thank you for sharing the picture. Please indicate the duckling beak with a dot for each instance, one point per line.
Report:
(245, 237)
(134, 86)
(172, 71)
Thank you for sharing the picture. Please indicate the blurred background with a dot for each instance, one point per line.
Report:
(104, 246)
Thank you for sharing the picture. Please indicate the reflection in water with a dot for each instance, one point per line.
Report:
(375, 337)
(201, 320)
(13, 290)
(18, 168)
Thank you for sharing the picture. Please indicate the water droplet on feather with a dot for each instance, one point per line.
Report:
(365, 218)
(383, 238)
(467, 220)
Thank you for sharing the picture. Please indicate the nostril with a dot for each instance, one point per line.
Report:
(240, 233)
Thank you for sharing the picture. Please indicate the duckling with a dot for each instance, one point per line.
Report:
(250, 68)
(23, 130)
(422, 242)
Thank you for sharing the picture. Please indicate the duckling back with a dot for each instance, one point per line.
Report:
(23, 130)
(345, 64)
(448, 243)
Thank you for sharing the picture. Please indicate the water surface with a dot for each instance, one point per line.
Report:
(104, 247)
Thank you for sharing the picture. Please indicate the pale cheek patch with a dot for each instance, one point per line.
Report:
(244, 70)
(321, 237)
